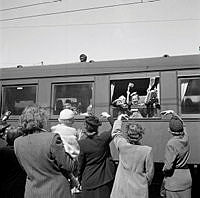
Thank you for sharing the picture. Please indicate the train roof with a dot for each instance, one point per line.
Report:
(103, 67)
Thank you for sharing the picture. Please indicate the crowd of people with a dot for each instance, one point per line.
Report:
(42, 163)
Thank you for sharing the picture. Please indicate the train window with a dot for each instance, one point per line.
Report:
(76, 96)
(190, 96)
(139, 98)
(16, 98)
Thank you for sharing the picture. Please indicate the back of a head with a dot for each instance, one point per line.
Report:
(134, 132)
(33, 119)
(176, 126)
(92, 123)
(66, 114)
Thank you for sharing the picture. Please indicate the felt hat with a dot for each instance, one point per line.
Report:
(66, 114)
(176, 126)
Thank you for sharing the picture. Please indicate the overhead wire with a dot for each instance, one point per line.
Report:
(78, 10)
(106, 23)
(29, 5)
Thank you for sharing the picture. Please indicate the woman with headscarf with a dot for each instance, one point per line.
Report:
(177, 178)
(136, 168)
(43, 157)
(96, 167)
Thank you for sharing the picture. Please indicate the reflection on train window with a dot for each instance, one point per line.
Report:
(139, 98)
(16, 98)
(77, 97)
(190, 96)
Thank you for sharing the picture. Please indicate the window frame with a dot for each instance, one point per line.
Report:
(189, 77)
(22, 83)
(70, 81)
(133, 76)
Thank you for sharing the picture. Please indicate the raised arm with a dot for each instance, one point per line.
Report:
(108, 117)
(173, 113)
(128, 92)
(117, 133)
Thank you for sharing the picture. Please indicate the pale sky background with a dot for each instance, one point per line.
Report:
(102, 29)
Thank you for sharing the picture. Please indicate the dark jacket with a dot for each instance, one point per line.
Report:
(12, 176)
(96, 166)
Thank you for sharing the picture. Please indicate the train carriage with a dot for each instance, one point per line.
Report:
(175, 81)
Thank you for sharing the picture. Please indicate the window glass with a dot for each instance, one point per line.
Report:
(16, 98)
(77, 97)
(139, 98)
(190, 96)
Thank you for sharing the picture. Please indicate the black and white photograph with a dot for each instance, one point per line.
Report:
(99, 99)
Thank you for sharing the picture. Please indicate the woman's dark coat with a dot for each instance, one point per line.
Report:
(12, 176)
(96, 167)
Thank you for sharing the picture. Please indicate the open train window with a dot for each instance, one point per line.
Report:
(75, 96)
(139, 98)
(16, 98)
(190, 96)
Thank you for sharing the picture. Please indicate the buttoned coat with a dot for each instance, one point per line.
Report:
(43, 157)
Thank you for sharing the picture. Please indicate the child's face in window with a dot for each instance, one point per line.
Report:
(135, 99)
(121, 101)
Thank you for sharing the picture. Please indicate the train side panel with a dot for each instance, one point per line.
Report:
(171, 71)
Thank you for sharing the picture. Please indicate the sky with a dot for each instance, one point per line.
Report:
(35, 32)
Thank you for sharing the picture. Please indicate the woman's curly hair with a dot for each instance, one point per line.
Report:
(33, 119)
(134, 132)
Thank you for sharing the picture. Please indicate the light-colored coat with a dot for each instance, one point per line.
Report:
(43, 157)
(135, 170)
(69, 136)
